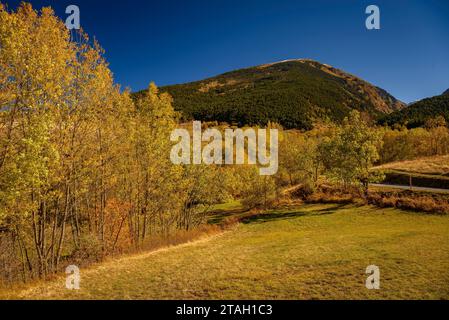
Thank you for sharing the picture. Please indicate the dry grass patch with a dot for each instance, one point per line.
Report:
(307, 252)
(436, 165)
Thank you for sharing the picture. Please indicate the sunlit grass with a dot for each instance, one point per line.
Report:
(436, 165)
(309, 252)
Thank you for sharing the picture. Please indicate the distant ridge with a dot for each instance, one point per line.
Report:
(417, 114)
(295, 93)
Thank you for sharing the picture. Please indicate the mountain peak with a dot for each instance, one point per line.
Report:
(296, 93)
(302, 60)
(382, 100)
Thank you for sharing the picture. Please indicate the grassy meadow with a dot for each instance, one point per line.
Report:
(432, 172)
(436, 165)
(303, 252)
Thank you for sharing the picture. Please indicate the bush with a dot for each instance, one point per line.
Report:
(407, 200)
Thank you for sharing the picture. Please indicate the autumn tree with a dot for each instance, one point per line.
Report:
(351, 153)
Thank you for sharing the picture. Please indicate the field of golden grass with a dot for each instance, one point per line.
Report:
(437, 165)
(305, 252)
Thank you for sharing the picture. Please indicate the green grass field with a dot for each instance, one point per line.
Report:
(308, 252)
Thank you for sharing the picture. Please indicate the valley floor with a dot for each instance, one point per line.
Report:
(308, 252)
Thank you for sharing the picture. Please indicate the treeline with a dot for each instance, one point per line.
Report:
(334, 164)
(401, 143)
(84, 171)
(346, 153)
(343, 154)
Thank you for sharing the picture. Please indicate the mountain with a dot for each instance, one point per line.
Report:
(417, 114)
(294, 93)
(446, 92)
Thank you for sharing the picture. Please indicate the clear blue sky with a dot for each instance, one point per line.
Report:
(180, 41)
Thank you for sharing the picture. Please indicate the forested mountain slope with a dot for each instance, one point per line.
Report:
(417, 114)
(294, 93)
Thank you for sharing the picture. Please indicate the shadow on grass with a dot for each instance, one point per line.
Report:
(284, 215)
(217, 216)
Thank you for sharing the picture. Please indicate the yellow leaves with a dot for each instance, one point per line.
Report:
(68, 133)
(153, 90)
(63, 93)
(36, 54)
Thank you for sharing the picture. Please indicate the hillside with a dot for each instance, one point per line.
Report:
(418, 113)
(294, 93)
(307, 252)
(430, 172)
(436, 165)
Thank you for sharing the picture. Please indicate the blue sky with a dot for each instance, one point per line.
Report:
(180, 41)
